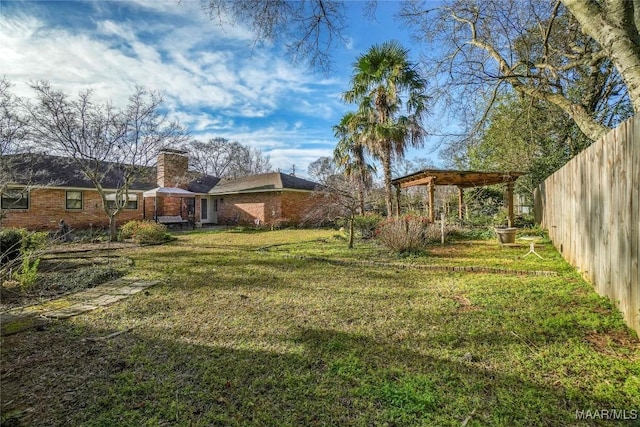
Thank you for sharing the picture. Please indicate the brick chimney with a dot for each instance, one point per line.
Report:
(172, 168)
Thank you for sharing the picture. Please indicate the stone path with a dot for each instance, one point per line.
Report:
(21, 318)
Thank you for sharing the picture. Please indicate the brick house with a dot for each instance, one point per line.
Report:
(271, 198)
(50, 188)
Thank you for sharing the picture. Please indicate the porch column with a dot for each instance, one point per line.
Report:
(460, 198)
(511, 217)
(431, 199)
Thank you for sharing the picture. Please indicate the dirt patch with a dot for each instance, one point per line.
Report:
(614, 343)
(464, 304)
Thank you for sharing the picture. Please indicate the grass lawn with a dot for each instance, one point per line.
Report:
(289, 328)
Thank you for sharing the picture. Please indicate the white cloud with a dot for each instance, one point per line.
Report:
(212, 79)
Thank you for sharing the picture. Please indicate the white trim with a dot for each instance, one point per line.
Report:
(55, 187)
(280, 190)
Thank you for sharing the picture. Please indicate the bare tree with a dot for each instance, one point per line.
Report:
(13, 124)
(536, 49)
(250, 161)
(223, 158)
(213, 157)
(112, 147)
(322, 169)
(310, 30)
(335, 198)
(13, 135)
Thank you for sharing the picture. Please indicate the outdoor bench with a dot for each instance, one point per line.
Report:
(171, 220)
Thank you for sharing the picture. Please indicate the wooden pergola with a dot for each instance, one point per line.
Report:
(462, 180)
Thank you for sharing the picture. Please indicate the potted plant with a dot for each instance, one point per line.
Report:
(503, 227)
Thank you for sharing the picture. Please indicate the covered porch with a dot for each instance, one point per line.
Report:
(171, 205)
(461, 179)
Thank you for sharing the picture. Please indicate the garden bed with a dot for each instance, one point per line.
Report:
(67, 268)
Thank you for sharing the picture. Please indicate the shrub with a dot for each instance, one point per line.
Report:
(433, 232)
(404, 234)
(10, 244)
(33, 241)
(367, 225)
(28, 273)
(145, 232)
(476, 233)
(129, 230)
(19, 247)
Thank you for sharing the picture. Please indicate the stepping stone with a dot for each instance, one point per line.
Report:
(70, 311)
(12, 324)
(107, 299)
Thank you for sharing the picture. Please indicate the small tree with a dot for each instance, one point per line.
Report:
(104, 142)
(335, 198)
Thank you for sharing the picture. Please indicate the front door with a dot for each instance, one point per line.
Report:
(208, 210)
(204, 210)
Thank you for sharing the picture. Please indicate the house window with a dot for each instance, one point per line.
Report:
(74, 200)
(15, 199)
(132, 201)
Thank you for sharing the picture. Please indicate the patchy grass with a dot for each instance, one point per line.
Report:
(67, 268)
(261, 328)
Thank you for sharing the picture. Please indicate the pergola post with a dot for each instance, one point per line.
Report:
(397, 200)
(461, 179)
(510, 215)
(431, 201)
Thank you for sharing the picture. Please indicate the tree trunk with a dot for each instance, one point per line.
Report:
(615, 28)
(360, 194)
(351, 230)
(113, 230)
(386, 166)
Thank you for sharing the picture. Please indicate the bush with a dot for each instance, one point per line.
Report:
(433, 232)
(10, 244)
(404, 234)
(18, 241)
(28, 273)
(145, 232)
(128, 230)
(367, 225)
(475, 233)
(19, 247)
(34, 241)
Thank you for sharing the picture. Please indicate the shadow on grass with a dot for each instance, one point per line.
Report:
(59, 377)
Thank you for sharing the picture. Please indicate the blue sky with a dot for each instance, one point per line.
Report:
(216, 81)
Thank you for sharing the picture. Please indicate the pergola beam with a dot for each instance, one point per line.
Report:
(461, 179)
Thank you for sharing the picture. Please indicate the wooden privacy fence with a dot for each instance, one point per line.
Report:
(591, 208)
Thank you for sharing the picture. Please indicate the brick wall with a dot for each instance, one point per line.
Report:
(48, 206)
(269, 208)
(172, 169)
(246, 208)
(295, 206)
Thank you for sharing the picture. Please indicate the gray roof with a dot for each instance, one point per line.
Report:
(56, 171)
(273, 181)
(202, 183)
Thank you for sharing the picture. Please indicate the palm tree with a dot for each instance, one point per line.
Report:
(381, 78)
(350, 154)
